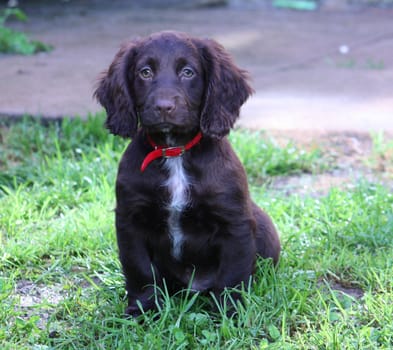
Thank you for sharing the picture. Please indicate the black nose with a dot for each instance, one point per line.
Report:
(165, 106)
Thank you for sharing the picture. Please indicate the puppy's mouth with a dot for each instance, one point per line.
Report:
(170, 134)
(164, 128)
(168, 129)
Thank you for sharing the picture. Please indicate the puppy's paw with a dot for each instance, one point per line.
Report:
(225, 303)
(138, 307)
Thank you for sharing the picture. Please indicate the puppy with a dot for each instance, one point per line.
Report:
(184, 216)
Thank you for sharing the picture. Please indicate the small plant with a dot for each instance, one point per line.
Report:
(374, 64)
(382, 152)
(352, 63)
(301, 5)
(12, 41)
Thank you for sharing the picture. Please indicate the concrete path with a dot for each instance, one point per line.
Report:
(324, 70)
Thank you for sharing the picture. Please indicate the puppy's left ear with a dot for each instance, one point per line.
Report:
(226, 89)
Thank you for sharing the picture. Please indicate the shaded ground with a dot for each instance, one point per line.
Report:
(303, 78)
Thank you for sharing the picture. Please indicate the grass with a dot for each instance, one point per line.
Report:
(263, 158)
(382, 153)
(61, 285)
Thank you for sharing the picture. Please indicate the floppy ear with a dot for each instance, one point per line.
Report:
(113, 93)
(226, 89)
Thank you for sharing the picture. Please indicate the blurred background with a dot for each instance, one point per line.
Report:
(315, 65)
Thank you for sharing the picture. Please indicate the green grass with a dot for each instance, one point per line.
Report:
(382, 153)
(262, 157)
(61, 285)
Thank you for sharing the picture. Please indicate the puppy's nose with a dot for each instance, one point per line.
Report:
(165, 106)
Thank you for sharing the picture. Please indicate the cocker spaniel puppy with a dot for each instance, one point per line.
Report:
(184, 216)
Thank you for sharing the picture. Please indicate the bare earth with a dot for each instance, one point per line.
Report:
(301, 78)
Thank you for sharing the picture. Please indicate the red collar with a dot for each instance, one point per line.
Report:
(167, 152)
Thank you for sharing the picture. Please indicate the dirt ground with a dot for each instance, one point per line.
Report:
(347, 158)
(330, 69)
(321, 78)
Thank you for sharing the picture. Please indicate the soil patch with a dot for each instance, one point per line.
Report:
(330, 69)
(347, 158)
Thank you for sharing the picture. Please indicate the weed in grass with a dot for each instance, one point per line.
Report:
(382, 152)
(61, 285)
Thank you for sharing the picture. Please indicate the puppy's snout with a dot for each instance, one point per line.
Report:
(165, 106)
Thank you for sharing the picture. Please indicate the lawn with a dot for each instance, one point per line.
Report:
(61, 285)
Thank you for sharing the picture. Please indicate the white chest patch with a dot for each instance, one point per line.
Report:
(178, 186)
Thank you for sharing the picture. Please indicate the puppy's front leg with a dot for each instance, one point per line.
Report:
(137, 266)
(237, 259)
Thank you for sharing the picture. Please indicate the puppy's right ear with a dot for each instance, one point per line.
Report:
(113, 93)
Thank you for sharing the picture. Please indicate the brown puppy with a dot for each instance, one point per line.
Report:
(183, 206)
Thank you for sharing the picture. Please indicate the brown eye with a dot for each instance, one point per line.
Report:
(146, 73)
(187, 73)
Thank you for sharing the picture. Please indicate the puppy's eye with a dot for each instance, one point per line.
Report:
(146, 73)
(187, 73)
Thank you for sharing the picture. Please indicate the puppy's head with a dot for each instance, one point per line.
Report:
(172, 83)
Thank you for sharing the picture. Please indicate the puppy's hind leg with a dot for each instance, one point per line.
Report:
(266, 236)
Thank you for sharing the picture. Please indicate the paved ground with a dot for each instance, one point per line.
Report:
(323, 70)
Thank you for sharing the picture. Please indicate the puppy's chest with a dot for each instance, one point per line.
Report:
(178, 186)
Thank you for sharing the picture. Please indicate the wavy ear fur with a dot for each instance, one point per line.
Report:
(113, 93)
(226, 90)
